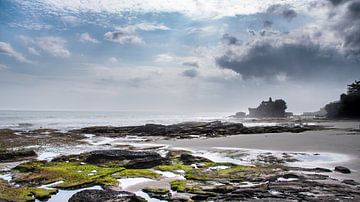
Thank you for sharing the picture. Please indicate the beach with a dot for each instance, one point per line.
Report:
(183, 161)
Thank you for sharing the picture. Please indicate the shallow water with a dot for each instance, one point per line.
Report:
(65, 195)
(66, 120)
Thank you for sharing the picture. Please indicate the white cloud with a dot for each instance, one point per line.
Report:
(31, 25)
(33, 51)
(113, 60)
(192, 8)
(142, 26)
(123, 37)
(55, 46)
(2, 67)
(164, 58)
(70, 19)
(86, 37)
(204, 30)
(7, 49)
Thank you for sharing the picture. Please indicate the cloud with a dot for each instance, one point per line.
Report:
(86, 37)
(191, 73)
(7, 49)
(203, 30)
(161, 58)
(123, 37)
(69, 19)
(113, 60)
(142, 27)
(31, 25)
(191, 8)
(191, 64)
(305, 60)
(345, 21)
(54, 46)
(33, 51)
(282, 9)
(2, 67)
(230, 40)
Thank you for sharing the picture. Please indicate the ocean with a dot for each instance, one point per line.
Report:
(66, 120)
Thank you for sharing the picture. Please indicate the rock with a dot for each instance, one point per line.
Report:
(189, 159)
(351, 182)
(17, 155)
(159, 193)
(106, 195)
(322, 170)
(146, 162)
(342, 169)
(290, 175)
(131, 159)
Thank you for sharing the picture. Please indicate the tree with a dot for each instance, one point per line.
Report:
(354, 88)
(349, 104)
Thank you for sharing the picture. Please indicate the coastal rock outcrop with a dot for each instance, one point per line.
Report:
(189, 159)
(189, 130)
(106, 195)
(342, 169)
(130, 159)
(16, 155)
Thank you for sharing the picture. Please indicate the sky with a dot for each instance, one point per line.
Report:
(176, 56)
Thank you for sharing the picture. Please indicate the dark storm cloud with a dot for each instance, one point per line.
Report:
(337, 2)
(122, 37)
(283, 10)
(267, 23)
(230, 40)
(191, 64)
(348, 26)
(298, 61)
(191, 73)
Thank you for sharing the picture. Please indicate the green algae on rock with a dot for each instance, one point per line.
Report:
(137, 173)
(11, 193)
(73, 174)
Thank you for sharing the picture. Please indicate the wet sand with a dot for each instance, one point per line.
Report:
(339, 141)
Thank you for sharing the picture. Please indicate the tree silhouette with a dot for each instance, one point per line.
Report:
(349, 104)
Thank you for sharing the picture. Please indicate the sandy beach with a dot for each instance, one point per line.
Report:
(340, 140)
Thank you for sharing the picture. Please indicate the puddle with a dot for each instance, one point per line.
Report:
(65, 195)
(127, 183)
(147, 197)
(168, 174)
(7, 177)
(50, 186)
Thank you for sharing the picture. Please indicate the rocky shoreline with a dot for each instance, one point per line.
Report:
(197, 178)
(153, 173)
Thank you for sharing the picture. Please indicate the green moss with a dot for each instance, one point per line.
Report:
(235, 169)
(213, 164)
(236, 172)
(175, 167)
(107, 181)
(73, 174)
(40, 193)
(185, 186)
(137, 173)
(7, 192)
(155, 190)
(30, 166)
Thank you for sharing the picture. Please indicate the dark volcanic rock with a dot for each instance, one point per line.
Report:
(351, 182)
(105, 196)
(189, 159)
(342, 169)
(189, 130)
(132, 159)
(322, 170)
(8, 155)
